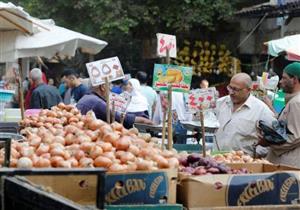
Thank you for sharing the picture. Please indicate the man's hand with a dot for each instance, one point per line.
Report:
(143, 120)
(261, 141)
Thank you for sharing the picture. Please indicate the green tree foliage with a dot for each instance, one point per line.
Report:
(125, 23)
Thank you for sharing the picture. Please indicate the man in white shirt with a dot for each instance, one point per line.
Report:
(147, 91)
(237, 114)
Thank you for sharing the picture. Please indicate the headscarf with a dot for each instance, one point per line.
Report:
(138, 102)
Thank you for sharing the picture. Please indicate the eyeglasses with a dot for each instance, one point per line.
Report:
(234, 90)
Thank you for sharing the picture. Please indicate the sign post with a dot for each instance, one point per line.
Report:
(202, 100)
(107, 100)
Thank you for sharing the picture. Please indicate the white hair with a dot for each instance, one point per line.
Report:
(36, 74)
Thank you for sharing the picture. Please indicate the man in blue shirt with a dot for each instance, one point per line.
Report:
(95, 101)
(73, 81)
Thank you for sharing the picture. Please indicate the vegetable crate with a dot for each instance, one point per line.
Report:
(20, 193)
(139, 187)
(145, 207)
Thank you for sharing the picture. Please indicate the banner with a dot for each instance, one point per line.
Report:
(166, 42)
(179, 76)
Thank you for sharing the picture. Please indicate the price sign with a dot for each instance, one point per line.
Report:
(121, 101)
(166, 42)
(202, 99)
(107, 68)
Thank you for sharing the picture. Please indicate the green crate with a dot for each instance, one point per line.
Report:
(190, 148)
(145, 207)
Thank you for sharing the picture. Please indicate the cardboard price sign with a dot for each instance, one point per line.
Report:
(202, 99)
(179, 76)
(107, 68)
(166, 42)
(121, 101)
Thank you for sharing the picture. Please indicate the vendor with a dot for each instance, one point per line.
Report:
(95, 101)
(289, 153)
(237, 114)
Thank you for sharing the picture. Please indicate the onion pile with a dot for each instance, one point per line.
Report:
(62, 137)
(237, 157)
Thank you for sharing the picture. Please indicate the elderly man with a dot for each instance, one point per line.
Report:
(95, 101)
(43, 96)
(289, 153)
(237, 114)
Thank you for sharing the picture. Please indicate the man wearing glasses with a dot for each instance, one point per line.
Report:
(237, 114)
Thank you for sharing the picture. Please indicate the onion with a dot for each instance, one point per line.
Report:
(95, 151)
(87, 146)
(69, 139)
(24, 162)
(95, 124)
(56, 145)
(110, 155)
(59, 139)
(70, 129)
(123, 143)
(106, 146)
(43, 148)
(55, 159)
(144, 164)
(117, 126)
(13, 162)
(57, 152)
(73, 161)
(102, 161)
(134, 149)
(173, 162)
(14, 153)
(111, 137)
(42, 163)
(161, 161)
(79, 154)
(86, 162)
(27, 151)
(64, 164)
(92, 134)
(117, 168)
(46, 155)
(127, 157)
(73, 119)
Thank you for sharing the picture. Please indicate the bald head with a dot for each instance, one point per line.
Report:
(242, 78)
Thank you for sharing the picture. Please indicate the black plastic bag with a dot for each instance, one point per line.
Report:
(277, 134)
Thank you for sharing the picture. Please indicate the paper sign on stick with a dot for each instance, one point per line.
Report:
(202, 99)
(166, 42)
(121, 101)
(179, 76)
(110, 67)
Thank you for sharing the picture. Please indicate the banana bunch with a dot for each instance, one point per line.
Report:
(207, 58)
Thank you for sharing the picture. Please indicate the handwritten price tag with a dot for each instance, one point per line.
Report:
(202, 99)
(166, 42)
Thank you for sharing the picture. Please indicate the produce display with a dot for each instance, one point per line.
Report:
(195, 164)
(62, 137)
(207, 58)
(237, 157)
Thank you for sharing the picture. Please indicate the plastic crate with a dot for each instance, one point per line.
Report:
(6, 95)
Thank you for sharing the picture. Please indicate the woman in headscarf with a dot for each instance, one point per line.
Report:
(138, 104)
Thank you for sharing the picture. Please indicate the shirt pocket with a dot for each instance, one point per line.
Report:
(246, 127)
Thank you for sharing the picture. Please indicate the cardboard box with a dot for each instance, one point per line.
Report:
(266, 207)
(131, 188)
(266, 185)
